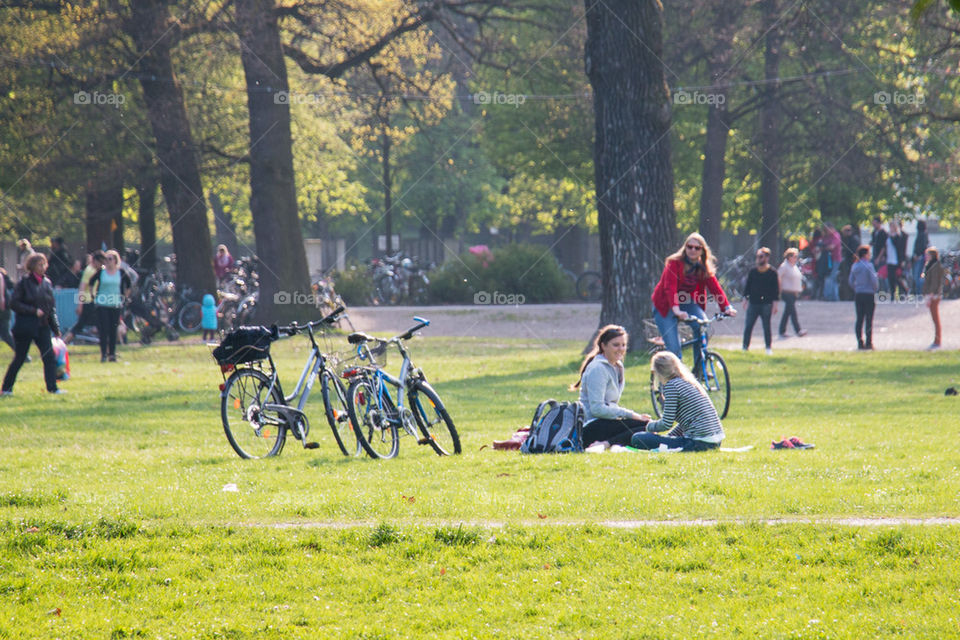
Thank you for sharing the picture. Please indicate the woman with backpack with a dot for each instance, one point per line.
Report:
(601, 385)
(35, 321)
(687, 411)
(113, 288)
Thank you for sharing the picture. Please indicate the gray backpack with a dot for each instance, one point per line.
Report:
(557, 427)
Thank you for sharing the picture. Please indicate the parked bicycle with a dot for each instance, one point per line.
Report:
(255, 412)
(397, 279)
(711, 371)
(379, 417)
(589, 286)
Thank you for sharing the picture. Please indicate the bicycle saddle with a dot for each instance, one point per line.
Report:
(358, 337)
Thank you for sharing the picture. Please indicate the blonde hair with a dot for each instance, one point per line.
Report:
(792, 251)
(707, 261)
(666, 366)
(112, 253)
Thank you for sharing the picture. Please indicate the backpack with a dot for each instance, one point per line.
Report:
(246, 344)
(557, 427)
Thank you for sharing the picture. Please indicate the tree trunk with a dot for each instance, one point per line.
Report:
(224, 226)
(284, 276)
(714, 157)
(147, 219)
(104, 206)
(633, 172)
(179, 169)
(770, 134)
(387, 187)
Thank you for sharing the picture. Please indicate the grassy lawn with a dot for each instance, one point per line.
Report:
(114, 521)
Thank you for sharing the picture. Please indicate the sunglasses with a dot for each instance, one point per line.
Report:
(695, 247)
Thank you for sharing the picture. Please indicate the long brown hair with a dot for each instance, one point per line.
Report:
(707, 261)
(604, 335)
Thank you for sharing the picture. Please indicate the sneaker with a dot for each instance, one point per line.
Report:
(112, 358)
(58, 391)
(769, 351)
(782, 336)
(4, 394)
(800, 444)
(103, 358)
(933, 347)
(801, 333)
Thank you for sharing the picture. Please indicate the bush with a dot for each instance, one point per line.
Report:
(514, 270)
(354, 285)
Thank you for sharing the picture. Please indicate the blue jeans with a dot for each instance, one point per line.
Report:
(917, 273)
(649, 440)
(667, 326)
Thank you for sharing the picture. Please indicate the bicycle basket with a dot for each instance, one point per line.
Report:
(652, 334)
(378, 353)
(246, 344)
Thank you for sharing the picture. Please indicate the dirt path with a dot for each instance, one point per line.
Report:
(829, 324)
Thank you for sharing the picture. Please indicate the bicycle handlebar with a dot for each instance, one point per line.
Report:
(705, 321)
(421, 323)
(293, 328)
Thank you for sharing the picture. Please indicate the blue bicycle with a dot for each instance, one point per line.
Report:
(712, 371)
(379, 418)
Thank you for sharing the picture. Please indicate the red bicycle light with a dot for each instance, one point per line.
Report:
(349, 373)
(226, 367)
(223, 385)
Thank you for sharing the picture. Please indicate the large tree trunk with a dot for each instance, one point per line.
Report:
(104, 207)
(284, 276)
(387, 187)
(147, 219)
(176, 153)
(633, 173)
(770, 134)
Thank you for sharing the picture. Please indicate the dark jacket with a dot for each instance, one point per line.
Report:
(28, 296)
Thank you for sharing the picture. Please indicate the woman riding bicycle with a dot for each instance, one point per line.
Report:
(681, 293)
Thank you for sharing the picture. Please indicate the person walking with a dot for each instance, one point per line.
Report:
(86, 310)
(933, 291)
(688, 274)
(918, 263)
(601, 384)
(896, 259)
(35, 321)
(223, 262)
(791, 285)
(113, 287)
(833, 245)
(865, 283)
(760, 297)
(6, 295)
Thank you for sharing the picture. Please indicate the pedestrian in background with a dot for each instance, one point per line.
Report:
(918, 263)
(896, 259)
(865, 283)
(6, 295)
(791, 285)
(113, 287)
(933, 291)
(208, 318)
(760, 297)
(35, 322)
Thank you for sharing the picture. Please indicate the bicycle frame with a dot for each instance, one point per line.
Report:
(381, 379)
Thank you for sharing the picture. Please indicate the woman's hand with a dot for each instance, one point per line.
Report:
(680, 313)
(730, 311)
(643, 417)
(39, 312)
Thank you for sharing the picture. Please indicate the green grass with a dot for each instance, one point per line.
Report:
(114, 521)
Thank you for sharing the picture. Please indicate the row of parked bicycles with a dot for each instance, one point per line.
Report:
(367, 409)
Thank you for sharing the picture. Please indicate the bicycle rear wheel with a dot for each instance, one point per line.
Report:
(190, 317)
(375, 432)
(338, 414)
(252, 431)
(433, 420)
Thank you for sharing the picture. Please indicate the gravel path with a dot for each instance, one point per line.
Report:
(829, 324)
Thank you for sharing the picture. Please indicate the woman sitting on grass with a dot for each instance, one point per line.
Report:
(601, 385)
(686, 404)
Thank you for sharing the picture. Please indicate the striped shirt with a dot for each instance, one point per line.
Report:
(693, 413)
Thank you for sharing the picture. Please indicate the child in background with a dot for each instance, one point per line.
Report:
(208, 321)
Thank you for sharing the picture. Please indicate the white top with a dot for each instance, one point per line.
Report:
(791, 280)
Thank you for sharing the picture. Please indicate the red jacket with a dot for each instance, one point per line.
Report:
(665, 294)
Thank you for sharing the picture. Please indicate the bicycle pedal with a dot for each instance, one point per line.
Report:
(311, 445)
(424, 441)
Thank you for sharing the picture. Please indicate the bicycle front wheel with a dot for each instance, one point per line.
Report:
(371, 419)
(433, 420)
(656, 395)
(252, 431)
(190, 317)
(338, 414)
(717, 382)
